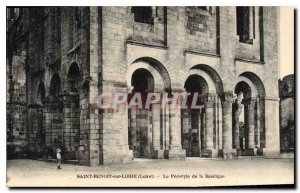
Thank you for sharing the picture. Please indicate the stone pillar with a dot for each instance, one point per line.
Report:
(157, 153)
(209, 123)
(257, 123)
(250, 104)
(175, 149)
(227, 125)
(251, 32)
(236, 109)
(272, 148)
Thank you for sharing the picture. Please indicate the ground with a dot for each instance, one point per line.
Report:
(192, 172)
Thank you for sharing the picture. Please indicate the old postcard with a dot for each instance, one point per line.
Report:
(150, 96)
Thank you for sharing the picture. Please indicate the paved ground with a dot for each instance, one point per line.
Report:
(193, 172)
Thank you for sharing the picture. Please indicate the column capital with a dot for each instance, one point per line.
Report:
(250, 102)
(227, 98)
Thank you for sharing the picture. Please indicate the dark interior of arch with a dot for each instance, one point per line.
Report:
(161, 69)
(244, 88)
(41, 92)
(74, 77)
(256, 81)
(196, 83)
(86, 88)
(142, 80)
(74, 71)
(55, 86)
(213, 74)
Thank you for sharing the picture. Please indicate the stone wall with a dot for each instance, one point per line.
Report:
(92, 50)
(287, 113)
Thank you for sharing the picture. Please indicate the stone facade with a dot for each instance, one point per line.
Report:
(287, 113)
(76, 53)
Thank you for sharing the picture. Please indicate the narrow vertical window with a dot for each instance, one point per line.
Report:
(77, 18)
(245, 22)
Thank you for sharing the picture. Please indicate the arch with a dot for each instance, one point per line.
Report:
(248, 83)
(142, 80)
(210, 83)
(86, 88)
(73, 71)
(41, 92)
(212, 76)
(256, 82)
(74, 77)
(196, 83)
(157, 70)
(55, 86)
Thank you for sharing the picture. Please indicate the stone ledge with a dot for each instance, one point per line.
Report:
(132, 42)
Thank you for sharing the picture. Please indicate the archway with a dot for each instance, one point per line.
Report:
(148, 133)
(41, 133)
(201, 126)
(248, 115)
(140, 135)
(54, 108)
(72, 113)
(193, 120)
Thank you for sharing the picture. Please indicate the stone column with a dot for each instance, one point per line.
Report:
(209, 123)
(175, 149)
(157, 153)
(272, 148)
(250, 104)
(227, 101)
(257, 123)
(236, 128)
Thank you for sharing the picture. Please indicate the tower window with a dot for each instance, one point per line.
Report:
(143, 14)
(245, 24)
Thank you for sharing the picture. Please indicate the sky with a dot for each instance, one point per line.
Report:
(286, 41)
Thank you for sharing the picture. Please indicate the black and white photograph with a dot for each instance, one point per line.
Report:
(150, 96)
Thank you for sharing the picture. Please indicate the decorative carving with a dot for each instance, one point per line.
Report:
(227, 99)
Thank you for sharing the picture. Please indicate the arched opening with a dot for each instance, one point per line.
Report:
(142, 81)
(41, 133)
(72, 113)
(193, 120)
(258, 94)
(248, 115)
(54, 108)
(202, 124)
(41, 93)
(148, 130)
(240, 118)
(140, 134)
(213, 75)
(55, 88)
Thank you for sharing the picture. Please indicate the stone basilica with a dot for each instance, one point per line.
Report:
(60, 59)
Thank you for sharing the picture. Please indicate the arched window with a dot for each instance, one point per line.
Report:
(143, 14)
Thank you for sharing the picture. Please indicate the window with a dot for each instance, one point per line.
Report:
(245, 24)
(143, 14)
(205, 8)
(77, 17)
